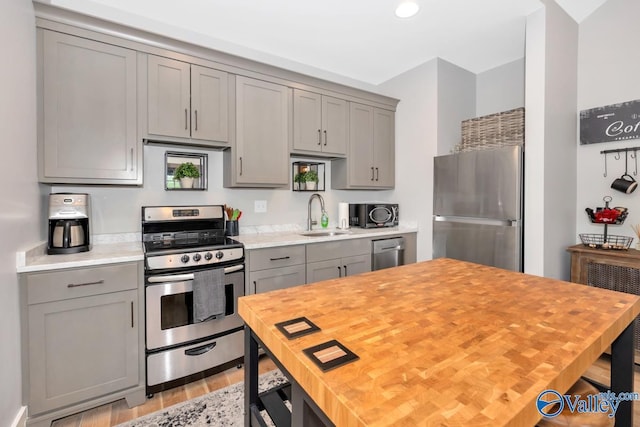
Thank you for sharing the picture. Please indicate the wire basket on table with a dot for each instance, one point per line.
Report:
(602, 241)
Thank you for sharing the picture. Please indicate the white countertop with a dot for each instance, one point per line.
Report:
(284, 238)
(114, 250)
(36, 259)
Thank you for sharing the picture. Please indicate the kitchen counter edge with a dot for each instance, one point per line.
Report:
(36, 258)
(289, 238)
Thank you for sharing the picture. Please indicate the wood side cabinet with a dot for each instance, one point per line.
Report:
(83, 339)
(608, 269)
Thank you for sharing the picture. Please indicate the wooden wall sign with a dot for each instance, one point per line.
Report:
(615, 122)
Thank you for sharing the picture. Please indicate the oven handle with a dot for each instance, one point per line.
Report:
(188, 276)
(200, 350)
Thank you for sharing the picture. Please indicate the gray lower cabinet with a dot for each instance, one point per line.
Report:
(370, 162)
(185, 103)
(83, 340)
(335, 268)
(275, 268)
(261, 117)
(87, 117)
(340, 258)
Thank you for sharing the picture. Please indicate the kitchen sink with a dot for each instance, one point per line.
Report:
(324, 233)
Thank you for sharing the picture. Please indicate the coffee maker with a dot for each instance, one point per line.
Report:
(68, 223)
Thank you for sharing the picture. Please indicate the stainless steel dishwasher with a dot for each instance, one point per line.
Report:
(387, 253)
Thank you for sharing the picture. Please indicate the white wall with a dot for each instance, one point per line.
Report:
(550, 134)
(608, 73)
(500, 89)
(416, 145)
(21, 207)
(456, 102)
(117, 209)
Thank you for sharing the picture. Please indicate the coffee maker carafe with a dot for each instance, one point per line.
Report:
(68, 223)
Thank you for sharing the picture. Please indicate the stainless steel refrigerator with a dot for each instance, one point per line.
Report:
(478, 206)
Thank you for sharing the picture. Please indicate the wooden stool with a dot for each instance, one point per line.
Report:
(576, 419)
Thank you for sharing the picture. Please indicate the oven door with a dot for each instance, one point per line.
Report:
(169, 304)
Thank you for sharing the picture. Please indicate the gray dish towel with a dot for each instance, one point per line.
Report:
(208, 294)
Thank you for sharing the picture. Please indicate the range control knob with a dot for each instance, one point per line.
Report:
(208, 256)
(197, 257)
(219, 254)
(185, 259)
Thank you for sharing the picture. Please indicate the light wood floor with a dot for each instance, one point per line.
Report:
(118, 412)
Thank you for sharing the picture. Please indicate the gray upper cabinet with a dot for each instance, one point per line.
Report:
(259, 157)
(370, 163)
(320, 124)
(87, 117)
(186, 103)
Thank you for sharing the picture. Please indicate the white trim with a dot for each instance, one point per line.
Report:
(21, 418)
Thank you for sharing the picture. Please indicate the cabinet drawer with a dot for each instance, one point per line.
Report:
(337, 249)
(262, 259)
(66, 284)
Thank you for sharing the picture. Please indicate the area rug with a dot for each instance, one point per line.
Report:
(222, 407)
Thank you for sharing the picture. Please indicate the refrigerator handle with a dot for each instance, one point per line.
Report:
(484, 221)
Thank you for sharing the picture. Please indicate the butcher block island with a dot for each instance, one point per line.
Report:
(437, 343)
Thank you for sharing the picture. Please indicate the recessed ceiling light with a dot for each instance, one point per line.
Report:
(407, 9)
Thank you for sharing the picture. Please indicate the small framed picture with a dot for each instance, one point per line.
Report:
(185, 171)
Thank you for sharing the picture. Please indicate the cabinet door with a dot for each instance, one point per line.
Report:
(356, 265)
(276, 278)
(307, 121)
(82, 348)
(384, 148)
(324, 270)
(361, 168)
(262, 137)
(88, 112)
(209, 104)
(168, 97)
(335, 125)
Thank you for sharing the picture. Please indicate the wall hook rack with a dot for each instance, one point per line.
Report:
(617, 151)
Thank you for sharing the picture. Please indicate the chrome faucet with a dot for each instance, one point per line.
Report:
(310, 222)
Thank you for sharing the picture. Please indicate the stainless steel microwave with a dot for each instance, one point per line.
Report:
(373, 215)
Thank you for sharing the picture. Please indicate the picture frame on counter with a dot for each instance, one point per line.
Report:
(185, 171)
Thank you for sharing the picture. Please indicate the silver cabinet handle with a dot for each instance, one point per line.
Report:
(240, 166)
(196, 114)
(339, 271)
(77, 285)
(377, 174)
(319, 137)
(371, 173)
(279, 258)
(132, 160)
(132, 325)
(186, 120)
(325, 138)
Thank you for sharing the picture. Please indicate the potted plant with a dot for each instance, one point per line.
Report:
(311, 180)
(299, 180)
(186, 173)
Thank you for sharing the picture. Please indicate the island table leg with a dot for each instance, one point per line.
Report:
(622, 370)
(250, 375)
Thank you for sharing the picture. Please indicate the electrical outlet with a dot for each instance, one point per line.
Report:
(260, 206)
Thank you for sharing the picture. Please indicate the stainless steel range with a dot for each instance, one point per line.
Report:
(185, 248)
